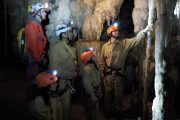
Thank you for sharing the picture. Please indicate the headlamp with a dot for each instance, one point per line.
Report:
(70, 23)
(46, 5)
(89, 49)
(54, 72)
(115, 24)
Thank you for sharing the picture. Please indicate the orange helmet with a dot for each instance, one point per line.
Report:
(44, 79)
(111, 29)
(87, 55)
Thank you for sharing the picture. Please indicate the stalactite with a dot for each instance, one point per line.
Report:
(140, 10)
(92, 27)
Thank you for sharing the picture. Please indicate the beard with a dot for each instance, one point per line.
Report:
(116, 37)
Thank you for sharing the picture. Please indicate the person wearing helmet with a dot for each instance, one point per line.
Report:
(62, 57)
(45, 105)
(35, 40)
(113, 55)
(91, 82)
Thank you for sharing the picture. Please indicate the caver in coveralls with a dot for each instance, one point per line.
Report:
(113, 56)
(46, 105)
(35, 40)
(62, 58)
(91, 81)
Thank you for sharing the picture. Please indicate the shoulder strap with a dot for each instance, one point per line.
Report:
(71, 53)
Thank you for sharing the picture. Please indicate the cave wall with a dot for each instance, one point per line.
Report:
(88, 16)
(140, 14)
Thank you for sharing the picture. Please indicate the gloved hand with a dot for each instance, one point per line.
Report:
(148, 28)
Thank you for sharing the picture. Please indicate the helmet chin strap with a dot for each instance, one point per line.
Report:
(40, 15)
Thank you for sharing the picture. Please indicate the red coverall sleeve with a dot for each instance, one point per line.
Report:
(31, 32)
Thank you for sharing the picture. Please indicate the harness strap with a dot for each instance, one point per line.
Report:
(110, 70)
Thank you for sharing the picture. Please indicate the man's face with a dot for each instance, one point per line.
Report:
(43, 14)
(69, 35)
(115, 33)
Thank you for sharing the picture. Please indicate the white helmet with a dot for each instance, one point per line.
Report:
(35, 8)
(61, 28)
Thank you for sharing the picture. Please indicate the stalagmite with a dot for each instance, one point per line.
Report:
(163, 27)
(151, 20)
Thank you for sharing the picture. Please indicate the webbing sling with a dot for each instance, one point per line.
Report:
(71, 53)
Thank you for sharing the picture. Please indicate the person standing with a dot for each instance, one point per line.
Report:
(91, 82)
(62, 57)
(35, 40)
(113, 56)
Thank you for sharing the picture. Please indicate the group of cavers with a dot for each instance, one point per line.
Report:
(52, 84)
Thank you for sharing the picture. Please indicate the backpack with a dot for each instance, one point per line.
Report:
(21, 45)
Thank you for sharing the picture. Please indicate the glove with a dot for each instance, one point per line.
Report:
(148, 28)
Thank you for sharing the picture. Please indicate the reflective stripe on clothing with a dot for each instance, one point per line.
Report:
(70, 50)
